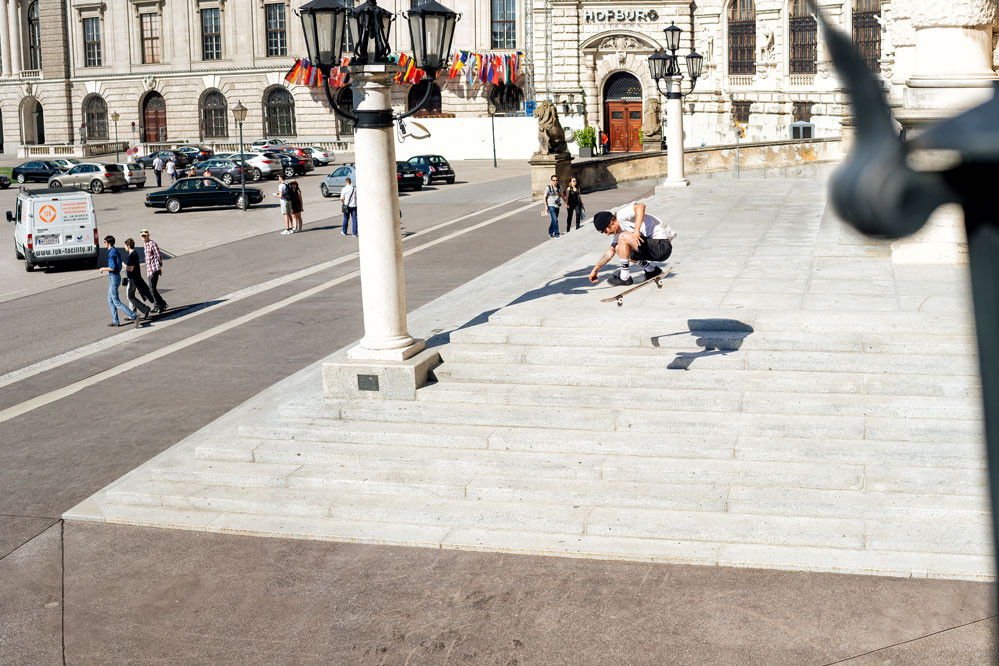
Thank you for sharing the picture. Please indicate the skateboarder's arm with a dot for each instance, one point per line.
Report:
(604, 258)
(639, 218)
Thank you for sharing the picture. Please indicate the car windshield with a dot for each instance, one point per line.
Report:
(52, 165)
(133, 167)
(403, 165)
(437, 159)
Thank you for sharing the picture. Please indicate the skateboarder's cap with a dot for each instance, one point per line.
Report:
(602, 219)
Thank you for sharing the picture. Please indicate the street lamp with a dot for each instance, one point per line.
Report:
(431, 28)
(114, 119)
(666, 68)
(239, 114)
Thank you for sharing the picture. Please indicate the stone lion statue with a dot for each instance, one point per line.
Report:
(652, 127)
(551, 136)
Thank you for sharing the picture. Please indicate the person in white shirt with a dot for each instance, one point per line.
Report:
(158, 170)
(348, 203)
(652, 242)
(171, 169)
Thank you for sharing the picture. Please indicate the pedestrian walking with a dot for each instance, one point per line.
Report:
(637, 236)
(135, 283)
(171, 169)
(573, 204)
(348, 204)
(154, 269)
(158, 170)
(285, 203)
(113, 269)
(605, 142)
(553, 203)
(294, 195)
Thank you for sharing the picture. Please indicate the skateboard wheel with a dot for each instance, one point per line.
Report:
(659, 283)
(620, 302)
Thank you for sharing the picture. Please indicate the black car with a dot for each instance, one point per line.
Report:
(179, 158)
(4, 182)
(225, 170)
(407, 175)
(36, 170)
(293, 166)
(196, 153)
(199, 192)
(434, 167)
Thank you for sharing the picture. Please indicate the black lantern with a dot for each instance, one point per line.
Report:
(323, 22)
(658, 65)
(370, 27)
(672, 37)
(431, 28)
(695, 63)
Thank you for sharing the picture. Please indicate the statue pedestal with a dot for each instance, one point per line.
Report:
(652, 144)
(543, 167)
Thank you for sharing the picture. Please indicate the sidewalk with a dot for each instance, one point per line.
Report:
(790, 400)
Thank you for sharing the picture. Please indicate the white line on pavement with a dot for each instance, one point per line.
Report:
(59, 394)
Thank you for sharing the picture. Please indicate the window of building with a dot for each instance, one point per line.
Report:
(211, 34)
(433, 107)
(742, 37)
(279, 111)
(34, 38)
(149, 29)
(804, 31)
(740, 111)
(504, 24)
(413, 4)
(277, 30)
(92, 42)
(506, 98)
(95, 114)
(867, 32)
(802, 112)
(214, 116)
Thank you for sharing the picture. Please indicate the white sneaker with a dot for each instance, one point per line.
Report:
(286, 232)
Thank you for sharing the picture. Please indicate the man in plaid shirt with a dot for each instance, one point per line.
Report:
(154, 268)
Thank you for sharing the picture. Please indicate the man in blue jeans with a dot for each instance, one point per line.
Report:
(553, 203)
(113, 269)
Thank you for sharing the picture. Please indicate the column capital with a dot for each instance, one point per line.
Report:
(953, 13)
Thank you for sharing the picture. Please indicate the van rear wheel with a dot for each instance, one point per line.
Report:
(28, 266)
(17, 253)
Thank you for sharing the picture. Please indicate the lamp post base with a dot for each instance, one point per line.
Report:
(414, 347)
(671, 185)
(345, 376)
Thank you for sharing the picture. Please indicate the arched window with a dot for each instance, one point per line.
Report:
(803, 35)
(34, 37)
(279, 110)
(867, 32)
(506, 98)
(345, 100)
(214, 119)
(95, 113)
(433, 106)
(742, 37)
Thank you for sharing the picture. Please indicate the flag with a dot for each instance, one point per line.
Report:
(402, 62)
(293, 72)
(497, 77)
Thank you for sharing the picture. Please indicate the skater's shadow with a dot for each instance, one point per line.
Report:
(717, 337)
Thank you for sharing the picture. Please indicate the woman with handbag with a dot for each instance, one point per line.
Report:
(573, 204)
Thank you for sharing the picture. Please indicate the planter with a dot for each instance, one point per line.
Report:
(586, 151)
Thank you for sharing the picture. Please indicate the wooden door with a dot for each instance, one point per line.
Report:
(154, 119)
(624, 124)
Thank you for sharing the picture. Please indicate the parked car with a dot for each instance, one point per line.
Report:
(4, 182)
(196, 153)
(266, 144)
(181, 159)
(225, 170)
(434, 167)
(93, 176)
(406, 176)
(199, 192)
(293, 166)
(260, 166)
(36, 170)
(134, 174)
(65, 163)
(320, 156)
(293, 151)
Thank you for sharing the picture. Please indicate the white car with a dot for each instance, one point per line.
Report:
(134, 174)
(320, 156)
(66, 163)
(267, 144)
(261, 166)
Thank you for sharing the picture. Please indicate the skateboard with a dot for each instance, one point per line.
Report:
(620, 297)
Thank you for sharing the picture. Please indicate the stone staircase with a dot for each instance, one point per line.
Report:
(816, 440)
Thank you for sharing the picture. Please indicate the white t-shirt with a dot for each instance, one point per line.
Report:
(158, 164)
(652, 226)
(348, 196)
(171, 167)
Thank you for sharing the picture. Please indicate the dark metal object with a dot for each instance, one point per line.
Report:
(666, 68)
(804, 39)
(878, 193)
(367, 382)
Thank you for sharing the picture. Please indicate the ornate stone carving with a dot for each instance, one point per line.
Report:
(652, 126)
(959, 13)
(620, 43)
(768, 47)
(551, 136)
(149, 82)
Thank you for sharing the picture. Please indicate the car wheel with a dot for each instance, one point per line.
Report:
(96, 186)
(324, 190)
(227, 178)
(242, 203)
(173, 205)
(450, 181)
(28, 266)
(139, 186)
(21, 178)
(4, 186)
(289, 172)
(17, 253)
(55, 183)
(257, 174)
(426, 179)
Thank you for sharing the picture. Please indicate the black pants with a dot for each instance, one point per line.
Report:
(653, 249)
(153, 279)
(159, 177)
(578, 210)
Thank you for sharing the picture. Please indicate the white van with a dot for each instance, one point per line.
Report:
(54, 225)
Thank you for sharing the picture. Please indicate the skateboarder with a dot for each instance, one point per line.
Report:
(652, 243)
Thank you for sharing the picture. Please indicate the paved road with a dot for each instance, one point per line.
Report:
(94, 594)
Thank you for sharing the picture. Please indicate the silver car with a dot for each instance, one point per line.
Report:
(65, 163)
(134, 174)
(93, 176)
(261, 166)
(335, 181)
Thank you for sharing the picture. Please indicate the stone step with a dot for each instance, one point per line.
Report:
(722, 380)
(969, 455)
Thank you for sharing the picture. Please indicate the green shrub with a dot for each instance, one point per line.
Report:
(587, 137)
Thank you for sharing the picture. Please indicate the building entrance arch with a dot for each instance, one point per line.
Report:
(623, 112)
(32, 122)
(154, 121)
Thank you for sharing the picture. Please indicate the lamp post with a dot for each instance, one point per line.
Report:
(666, 68)
(431, 28)
(239, 114)
(114, 119)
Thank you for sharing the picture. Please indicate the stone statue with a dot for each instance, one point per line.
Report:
(652, 126)
(551, 136)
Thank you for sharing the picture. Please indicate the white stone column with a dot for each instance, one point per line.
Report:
(15, 36)
(675, 175)
(4, 39)
(383, 289)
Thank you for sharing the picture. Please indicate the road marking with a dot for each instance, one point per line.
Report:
(75, 387)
